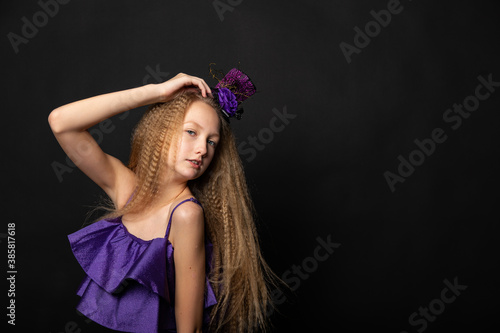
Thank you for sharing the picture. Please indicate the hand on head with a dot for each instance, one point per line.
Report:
(181, 81)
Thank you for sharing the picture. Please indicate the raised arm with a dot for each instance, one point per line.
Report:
(70, 124)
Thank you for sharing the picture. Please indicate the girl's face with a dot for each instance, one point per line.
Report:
(198, 141)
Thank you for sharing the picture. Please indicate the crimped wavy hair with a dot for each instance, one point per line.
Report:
(240, 276)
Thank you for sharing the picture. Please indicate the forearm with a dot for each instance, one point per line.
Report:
(83, 114)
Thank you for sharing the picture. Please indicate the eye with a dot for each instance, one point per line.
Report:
(212, 143)
(190, 131)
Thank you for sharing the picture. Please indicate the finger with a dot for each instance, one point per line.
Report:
(203, 87)
(207, 88)
(192, 88)
(200, 83)
(192, 82)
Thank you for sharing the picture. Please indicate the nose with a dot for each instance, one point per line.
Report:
(201, 147)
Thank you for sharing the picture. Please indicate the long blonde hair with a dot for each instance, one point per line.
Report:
(240, 276)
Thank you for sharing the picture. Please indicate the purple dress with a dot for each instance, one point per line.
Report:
(130, 282)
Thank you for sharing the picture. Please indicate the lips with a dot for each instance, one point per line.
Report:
(195, 163)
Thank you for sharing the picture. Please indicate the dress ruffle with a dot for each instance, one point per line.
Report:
(130, 282)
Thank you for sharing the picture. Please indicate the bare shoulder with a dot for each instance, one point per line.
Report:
(188, 213)
(187, 223)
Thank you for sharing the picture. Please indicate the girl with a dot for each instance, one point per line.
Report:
(184, 188)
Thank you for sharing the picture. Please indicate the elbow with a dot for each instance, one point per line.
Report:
(54, 121)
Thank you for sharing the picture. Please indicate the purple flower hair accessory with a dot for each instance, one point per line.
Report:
(232, 89)
(227, 101)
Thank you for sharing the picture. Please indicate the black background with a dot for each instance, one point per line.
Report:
(321, 176)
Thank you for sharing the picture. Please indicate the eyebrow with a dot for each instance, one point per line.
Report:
(194, 122)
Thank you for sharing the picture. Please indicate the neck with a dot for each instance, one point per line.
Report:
(171, 191)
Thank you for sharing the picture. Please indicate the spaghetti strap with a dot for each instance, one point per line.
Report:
(106, 247)
(172, 213)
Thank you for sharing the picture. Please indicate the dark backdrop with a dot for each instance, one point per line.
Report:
(373, 225)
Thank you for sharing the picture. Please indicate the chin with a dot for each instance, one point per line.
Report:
(193, 175)
(189, 174)
(198, 175)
